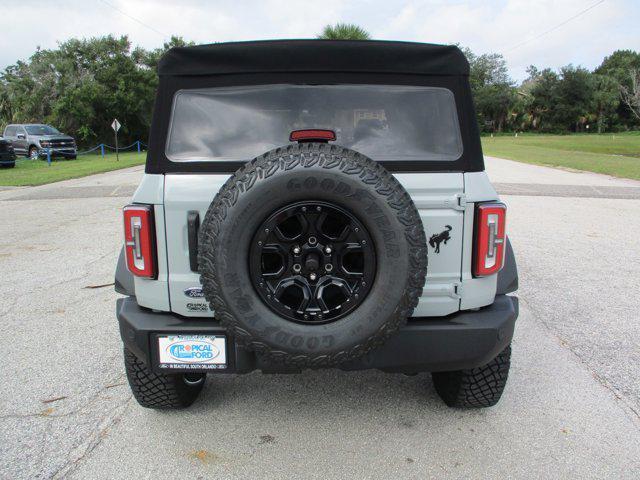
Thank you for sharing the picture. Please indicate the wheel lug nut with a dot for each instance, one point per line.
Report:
(296, 250)
(327, 250)
(312, 276)
(297, 268)
(318, 208)
(328, 267)
(313, 240)
(364, 242)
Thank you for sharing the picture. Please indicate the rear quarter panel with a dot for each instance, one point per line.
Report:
(154, 294)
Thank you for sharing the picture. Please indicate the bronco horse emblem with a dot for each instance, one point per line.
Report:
(437, 238)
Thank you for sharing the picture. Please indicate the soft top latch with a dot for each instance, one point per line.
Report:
(312, 135)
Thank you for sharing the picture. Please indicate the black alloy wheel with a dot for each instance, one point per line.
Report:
(312, 262)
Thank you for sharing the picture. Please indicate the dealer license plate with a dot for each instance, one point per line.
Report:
(192, 352)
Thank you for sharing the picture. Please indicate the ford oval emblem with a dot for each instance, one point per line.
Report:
(194, 292)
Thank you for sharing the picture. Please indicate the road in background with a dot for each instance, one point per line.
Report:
(570, 408)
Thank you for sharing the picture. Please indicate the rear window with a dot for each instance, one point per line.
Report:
(384, 122)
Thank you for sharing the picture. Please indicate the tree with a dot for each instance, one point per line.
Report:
(81, 86)
(523, 114)
(5, 104)
(617, 66)
(575, 93)
(492, 89)
(564, 101)
(151, 58)
(543, 90)
(344, 31)
(631, 96)
(606, 99)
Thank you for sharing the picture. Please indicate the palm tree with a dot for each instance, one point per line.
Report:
(344, 31)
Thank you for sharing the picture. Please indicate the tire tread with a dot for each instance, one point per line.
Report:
(158, 391)
(476, 387)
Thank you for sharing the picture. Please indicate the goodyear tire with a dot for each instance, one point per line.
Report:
(160, 391)
(321, 173)
(476, 387)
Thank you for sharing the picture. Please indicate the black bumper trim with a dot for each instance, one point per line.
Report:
(464, 340)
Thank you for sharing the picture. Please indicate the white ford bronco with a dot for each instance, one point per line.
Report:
(315, 204)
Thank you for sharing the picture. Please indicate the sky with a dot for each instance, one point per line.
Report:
(527, 32)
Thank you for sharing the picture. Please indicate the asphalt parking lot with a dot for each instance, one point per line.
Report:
(571, 407)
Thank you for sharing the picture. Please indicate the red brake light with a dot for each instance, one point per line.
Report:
(139, 240)
(314, 135)
(490, 238)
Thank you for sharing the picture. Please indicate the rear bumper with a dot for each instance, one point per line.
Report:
(463, 340)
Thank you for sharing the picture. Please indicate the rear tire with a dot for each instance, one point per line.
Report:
(476, 387)
(151, 390)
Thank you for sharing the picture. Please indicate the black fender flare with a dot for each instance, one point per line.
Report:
(124, 278)
(508, 276)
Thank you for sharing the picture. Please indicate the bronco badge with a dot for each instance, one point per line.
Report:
(438, 238)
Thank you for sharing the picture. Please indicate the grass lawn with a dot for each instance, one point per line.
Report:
(37, 172)
(613, 154)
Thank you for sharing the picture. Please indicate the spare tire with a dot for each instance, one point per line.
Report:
(312, 255)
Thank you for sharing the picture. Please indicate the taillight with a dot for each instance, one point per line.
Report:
(139, 240)
(490, 238)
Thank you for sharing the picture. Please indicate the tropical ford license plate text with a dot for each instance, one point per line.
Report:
(195, 352)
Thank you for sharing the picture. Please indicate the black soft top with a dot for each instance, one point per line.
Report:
(313, 62)
(352, 56)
